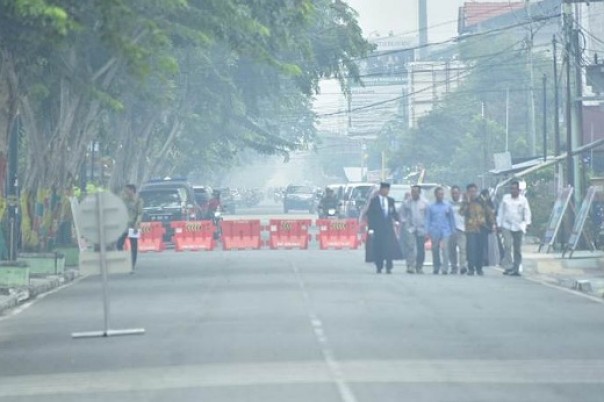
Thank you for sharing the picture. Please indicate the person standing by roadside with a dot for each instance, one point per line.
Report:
(415, 221)
(134, 205)
(479, 219)
(382, 218)
(513, 218)
(457, 241)
(440, 224)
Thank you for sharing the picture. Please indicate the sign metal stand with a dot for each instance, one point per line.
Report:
(108, 226)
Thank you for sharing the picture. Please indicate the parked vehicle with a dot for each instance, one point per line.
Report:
(300, 198)
(355, 198)
(167, 201)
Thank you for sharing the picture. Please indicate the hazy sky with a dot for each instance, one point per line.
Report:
(400, 16)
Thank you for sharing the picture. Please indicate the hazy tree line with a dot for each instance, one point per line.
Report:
(163, 86)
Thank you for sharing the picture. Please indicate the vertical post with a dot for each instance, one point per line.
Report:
(363, 164)
(423, 27)
(485, 148)
(507, 119)
(556, 115)
(568, 23)
(556, 100)
(383, 173)
(577, 104)
(544, 117)
(533, 112)
(103, 260)
(92, 161)
(13, 194)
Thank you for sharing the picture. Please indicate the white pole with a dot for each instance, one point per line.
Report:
(507, 119)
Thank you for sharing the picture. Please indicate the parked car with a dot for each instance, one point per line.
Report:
(300, 198)
(167, 201)
(355, 198)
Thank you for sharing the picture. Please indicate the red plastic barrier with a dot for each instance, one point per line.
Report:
(289, 233)
(241, 235)
(338, 234)
(151, 237)
(194, 236)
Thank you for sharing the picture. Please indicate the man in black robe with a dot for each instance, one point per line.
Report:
(382, 217)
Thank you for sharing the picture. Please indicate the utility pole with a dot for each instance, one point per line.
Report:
(544, 118)
(485, 148)
(557, 115)
(568, 27)
(530, 42)
(423, 27)
(507, 119)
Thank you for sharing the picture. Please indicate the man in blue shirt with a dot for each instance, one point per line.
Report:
(440, 224)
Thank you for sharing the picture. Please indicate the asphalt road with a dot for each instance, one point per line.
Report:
(304, 326)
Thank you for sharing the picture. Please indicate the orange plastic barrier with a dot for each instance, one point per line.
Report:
(193, 236)
(289, 233)
(338, 234)
(151, 237)
(241, 235)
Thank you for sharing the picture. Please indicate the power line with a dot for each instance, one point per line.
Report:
(460, 37)
(467, 72)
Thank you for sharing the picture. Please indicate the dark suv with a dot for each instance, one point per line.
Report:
(169, 201)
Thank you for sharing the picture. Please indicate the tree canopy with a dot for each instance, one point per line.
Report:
(163, 86)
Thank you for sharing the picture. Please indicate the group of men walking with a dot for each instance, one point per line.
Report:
(458, 230)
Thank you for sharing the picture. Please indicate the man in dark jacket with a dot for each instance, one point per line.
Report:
(382, 217)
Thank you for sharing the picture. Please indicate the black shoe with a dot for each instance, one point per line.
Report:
(435, 272)
(453, 272)
(508, 272)
(515, 273)
(480, 272)
(444, 273)
(389, 272)
(470, 273)
(419, 271)
(379, 271)
(463, 271)
(410, 271)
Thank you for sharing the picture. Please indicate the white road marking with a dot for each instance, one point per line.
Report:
(21, 308)
(465, 372)
(335, 370)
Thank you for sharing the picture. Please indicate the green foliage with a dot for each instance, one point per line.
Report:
(455, 142)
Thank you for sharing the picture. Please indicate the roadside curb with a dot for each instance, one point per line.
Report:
(36, 288)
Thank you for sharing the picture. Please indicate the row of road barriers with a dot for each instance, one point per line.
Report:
(249, 234)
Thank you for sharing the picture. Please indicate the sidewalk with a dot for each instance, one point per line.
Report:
(584, 272)
(11, 298)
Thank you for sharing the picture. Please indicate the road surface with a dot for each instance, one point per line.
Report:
(312, 325)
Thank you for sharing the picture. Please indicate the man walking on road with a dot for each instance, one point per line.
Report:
(479, 218)
(414, 211)
(382, 217)
(134, 205)
(457, 241)
(440, 222)
(513, 218)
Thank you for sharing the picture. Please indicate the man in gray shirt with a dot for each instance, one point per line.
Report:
(414, 212)
(457, 242)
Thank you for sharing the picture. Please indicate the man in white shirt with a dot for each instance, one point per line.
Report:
(457, 241)
(513, 218)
